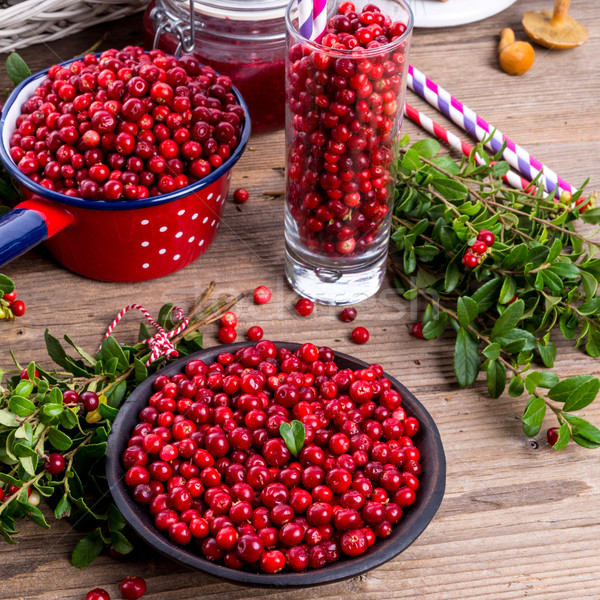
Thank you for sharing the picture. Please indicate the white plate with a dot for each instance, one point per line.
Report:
(433, 13)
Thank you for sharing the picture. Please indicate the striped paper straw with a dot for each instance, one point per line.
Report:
(464, 117)
(312, 18)
(513, 179)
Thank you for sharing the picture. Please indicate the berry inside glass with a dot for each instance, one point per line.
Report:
(344, 111)
(209, 461)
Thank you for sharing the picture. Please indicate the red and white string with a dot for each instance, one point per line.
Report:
(160, 343)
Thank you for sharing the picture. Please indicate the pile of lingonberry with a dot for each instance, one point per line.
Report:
(126, 125)
(346, 107)
(11, 307)
(208, 460)
(475, 254)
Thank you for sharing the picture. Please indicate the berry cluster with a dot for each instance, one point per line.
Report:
(126, 125)
(474, 254)
(11, 307)
(345, 107)
(208, 461)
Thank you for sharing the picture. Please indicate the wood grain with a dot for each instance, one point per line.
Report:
(518, 519)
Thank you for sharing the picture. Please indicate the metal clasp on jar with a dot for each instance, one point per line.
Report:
(166, 22)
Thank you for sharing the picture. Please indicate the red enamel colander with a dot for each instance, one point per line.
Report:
(124, 240)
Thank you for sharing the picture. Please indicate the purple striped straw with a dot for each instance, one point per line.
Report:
(312, 18)
(472, 123)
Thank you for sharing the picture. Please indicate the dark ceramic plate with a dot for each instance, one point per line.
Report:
(414, 520)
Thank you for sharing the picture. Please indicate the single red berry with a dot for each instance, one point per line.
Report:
(360, 335)
(97, 594)
(240, 196)
(348, 314)
(470, 260)
(89, 400)
(304, 307)
(262, 294)
(132, 588)
(255, 333)
(272, 561)
(552, 435)
(11, 297)
(25, 375)
(54, 464)
(487, 237)
(479, 247)
(353, 543)
(18, 308)
(417, 330)
(229, 319)
(227, 334)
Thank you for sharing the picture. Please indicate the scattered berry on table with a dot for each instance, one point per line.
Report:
(360, 335)
(240, 196)
(262, 294)
(18, 308)
(227, 334)
(97, 594)
(552, 435)
(348, 314)
(229, 319)
(255, 333)
(304, 307)
(132, 588)
(417, 330)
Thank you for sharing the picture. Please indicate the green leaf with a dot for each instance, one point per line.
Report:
(564, 269)
(29, 463)
(53, 410)
(487, 294)
(590, 284)
(116, 522)
(426, 148)
(86, 550)
(24, 388)
(120, 543)
(410, 261)
(22, 407)
(108, 412)
(516, 387)
(58, 439)
(452, 275)
(111, 349)
(16, 69)
(424, 278)
(547, 353)
(583, 395)
(564, 435)
(593, 344)
(8, 418)
(466, 358)
(508, 290)
(509, 318)
(115, 395)
(449, 188)
(55, 350)
(495, 378)
(467, 310)
(533, 416)
(63, 508)
(492, 351)
(555, 250)
(90, 359)
(33, 513)
(435, 327)
(563, 390)
(6, 285)
(68, 418)
(411, 160)
(140, 372)
(591, 307)
(293, 435)
(584, 442)
(164, 316)
(584, 428)
(516, 257)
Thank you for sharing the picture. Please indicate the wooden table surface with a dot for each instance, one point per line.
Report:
(518, 519)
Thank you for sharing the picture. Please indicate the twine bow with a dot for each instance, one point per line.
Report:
(160, 343)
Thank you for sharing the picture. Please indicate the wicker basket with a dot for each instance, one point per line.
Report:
(35, 21)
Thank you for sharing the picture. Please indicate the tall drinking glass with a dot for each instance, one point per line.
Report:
(344, 108)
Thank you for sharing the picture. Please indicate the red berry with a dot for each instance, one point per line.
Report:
(262, 294)
(417, 330)
(353, 543)
(272, 561)
(229, 319)
(552, 435)
(304, 307)
(479, 247)
(10, 297)
(348, 314)
(97, 594)
(89, 400)
(360, 335)
(470, 260)
(54, 464)
(240, 196)
(255, 333)
(25, 375)
(132, 588)
(227, 334)
(487, 237)
(18, 308)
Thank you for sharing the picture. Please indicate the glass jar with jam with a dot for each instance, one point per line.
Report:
(244, 39)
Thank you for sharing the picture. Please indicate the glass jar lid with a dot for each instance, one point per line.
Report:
(238, 10)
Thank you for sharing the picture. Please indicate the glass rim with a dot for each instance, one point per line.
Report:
(350, 52)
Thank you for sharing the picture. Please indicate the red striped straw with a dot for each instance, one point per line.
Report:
(513, 179)
(476, 126)
(312, 18)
